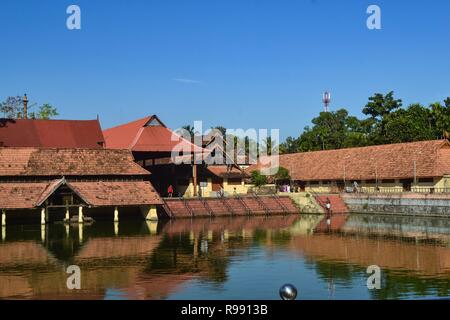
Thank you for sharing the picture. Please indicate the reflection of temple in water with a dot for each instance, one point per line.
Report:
(148, 262)
(155, 260)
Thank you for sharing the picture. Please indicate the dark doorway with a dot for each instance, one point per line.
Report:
(216, 183)
(302, 186)
(340, 185)
(406, 183)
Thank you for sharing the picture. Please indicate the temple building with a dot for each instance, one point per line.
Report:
(53, 184)
(51, 133)
(405, 167)
(152, 144)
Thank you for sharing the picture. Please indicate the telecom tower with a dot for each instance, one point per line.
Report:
(326, 99)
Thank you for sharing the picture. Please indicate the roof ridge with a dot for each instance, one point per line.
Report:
(442, 141)
(147, 119)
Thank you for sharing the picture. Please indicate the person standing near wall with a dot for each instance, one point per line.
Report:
(328, 206)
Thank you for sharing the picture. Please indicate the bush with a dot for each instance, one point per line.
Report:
(258, 179)
(282, 174)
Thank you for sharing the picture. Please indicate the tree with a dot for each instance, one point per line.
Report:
(257, 179)
(387, 122)
(46, 111)
(11, 107)
(291, 145)
(282, 174)
(378, 108)
(222, 130)
(380, 105)
(413, 124)
(333, 130)
(441, 117)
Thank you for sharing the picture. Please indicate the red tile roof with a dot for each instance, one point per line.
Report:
(51, 133)
(122, 193)
(21, 195)
(95, 193)
(146, 135)
(393, 161)
(67, 162)
(223, 171)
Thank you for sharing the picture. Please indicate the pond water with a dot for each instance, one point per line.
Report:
(229, 258)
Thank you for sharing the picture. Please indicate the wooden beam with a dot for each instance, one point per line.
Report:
(194, 178)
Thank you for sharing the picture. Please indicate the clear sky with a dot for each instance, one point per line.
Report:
(236, 63)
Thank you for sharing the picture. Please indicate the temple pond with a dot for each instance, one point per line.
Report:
(229, 258)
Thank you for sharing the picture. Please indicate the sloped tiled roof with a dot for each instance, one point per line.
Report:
(103, 193)
(393, 161)
(148, 134)
(20, 195)
(51, 133)
(223, 171)
(67, 162)
(122, 193)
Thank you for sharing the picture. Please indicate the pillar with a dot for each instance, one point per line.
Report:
(3, 217)
(80, 214)
(152, 226)
(116, 228)
(43, 232)
(67, 218)
(150, 213)
(3, 225)
(116, 214)
(194, 179)
(43, 216)
(80, 233)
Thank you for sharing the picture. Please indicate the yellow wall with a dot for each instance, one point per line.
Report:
(240, 189)
(207, 190)
(444, 182)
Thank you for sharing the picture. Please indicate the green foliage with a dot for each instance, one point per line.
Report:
(46, 111)
(282, 174)
(386, 122)
(189, 129)
(257, 179)
(412, 124)
(11, 107)
(380, 105)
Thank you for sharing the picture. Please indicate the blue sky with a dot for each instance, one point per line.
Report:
(236, 63)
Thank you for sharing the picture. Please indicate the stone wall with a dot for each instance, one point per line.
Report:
(406, 203)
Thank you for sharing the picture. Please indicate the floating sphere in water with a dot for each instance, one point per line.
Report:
(288, 292)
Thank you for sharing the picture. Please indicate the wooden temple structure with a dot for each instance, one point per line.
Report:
(61, 183)
(152, 144)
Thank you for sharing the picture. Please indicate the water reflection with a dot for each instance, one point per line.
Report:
(229, 258)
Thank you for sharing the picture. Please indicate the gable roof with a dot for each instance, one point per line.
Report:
(51, 133)
(67, 162)
(52, 187)
(30, 195)
(148, 134)
(21, 195)
(225, 171)
(392, 161)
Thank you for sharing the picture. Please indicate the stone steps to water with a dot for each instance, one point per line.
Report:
(238, 206)
(337, 203)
